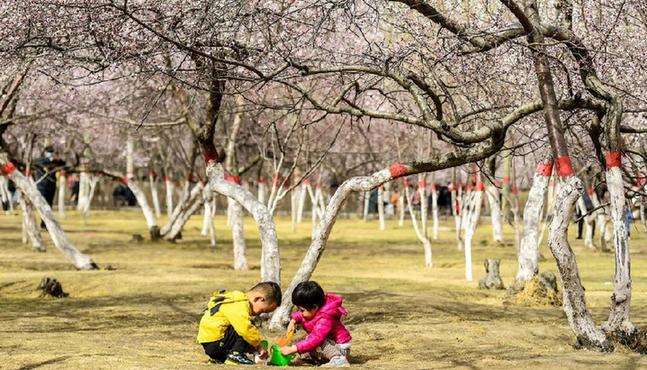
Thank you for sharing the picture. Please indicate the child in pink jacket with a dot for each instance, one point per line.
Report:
(320, 315)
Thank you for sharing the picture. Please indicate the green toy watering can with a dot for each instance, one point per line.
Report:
(278, 359)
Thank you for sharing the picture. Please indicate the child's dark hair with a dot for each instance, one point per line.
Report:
(308, 294)
(271, 291)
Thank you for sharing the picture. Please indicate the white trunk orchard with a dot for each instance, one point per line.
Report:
(294, 208)
(84, 191)
(188, 205)
(238, 235)
(29, 190)
(529, 246)
(91, 182)
(270, 257)
(575, 307)
(361, 183)
(619, 320)
(495, 213)
(401, 208)
(62, 186)
(149, 216)
(424, 205)
(457, 207)
(262, 189)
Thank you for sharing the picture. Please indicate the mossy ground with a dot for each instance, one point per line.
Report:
(144, 313)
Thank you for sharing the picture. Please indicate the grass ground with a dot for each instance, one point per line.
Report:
(144, 314)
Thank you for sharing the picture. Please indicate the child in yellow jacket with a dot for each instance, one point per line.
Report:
(226, 331)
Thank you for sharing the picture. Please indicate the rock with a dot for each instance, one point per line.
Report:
(137, 238)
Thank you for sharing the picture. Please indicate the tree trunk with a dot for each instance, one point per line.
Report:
(28, 189)
(380, 208)
(619, 321)
(471, 218)
(238, 235)
(187, 206)
(31, 228)
(495, 213)
(303, 192)
(434, 210)
(169, 195)
(426, 244)
(529, 246)
(270, 257)
(424, 205)
(367, 201)
(151, 222)
(156, 202)
(575, 308)
(62, 186)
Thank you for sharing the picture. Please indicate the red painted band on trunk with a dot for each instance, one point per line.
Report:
(318, 184)
(397, 170)
(210, 156)
(564, 166)
(433, 186)
(514, 190)
(260, 180)
(506, 179)
(421, 184)
(496, 184)
(27, 172)
(232, 179)
(480, 186)
(150, 173)
(614, 159)
(545, 169)
(589, 191)
(405, 183)
(276, 180)
(124, 179)
(62, 173)
(306, 182)
(8, 169)
(166, 178)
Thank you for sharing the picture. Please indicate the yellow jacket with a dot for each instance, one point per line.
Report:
(227, 308)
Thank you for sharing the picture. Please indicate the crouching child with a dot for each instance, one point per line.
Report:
(226, 331)
(319, 314)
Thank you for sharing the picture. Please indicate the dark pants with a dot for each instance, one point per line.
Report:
(231, 342)
(48, 193)
(580, 227)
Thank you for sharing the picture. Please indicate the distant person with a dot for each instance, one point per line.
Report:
(588, 205)
(628, 219)
(320, 316)
(45, 174)
(226, 331)
(122, 195)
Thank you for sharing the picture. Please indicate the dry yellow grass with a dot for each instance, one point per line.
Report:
(144, 314)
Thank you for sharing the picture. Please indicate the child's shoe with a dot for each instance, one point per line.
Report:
(237, 358)
(338, 361)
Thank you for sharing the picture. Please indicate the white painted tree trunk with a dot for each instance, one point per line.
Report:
(575, 307)
(262, 190)
(401, 208)
(29, 190)
(91, 183)
(294, 209)
(367, 200)
(426, 244)
(84, 191)
(361, 183)
(380, 208)
(151, 222)
(424, 204)
(169, 196)
(30, 227)
(619, 320)
(434, 210)
(270, 256)
(206, 213)
(238, 235)
(62, 186)
(188, 205)
(154, 195)
(456, 196)
(303, 192)
(529, 246)
(472, 215)
(495, 213)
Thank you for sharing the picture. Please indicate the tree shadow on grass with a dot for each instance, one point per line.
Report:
(43, 363)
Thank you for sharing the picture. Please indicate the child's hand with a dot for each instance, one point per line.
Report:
(291, 326)
(288, 350)
(262, 353)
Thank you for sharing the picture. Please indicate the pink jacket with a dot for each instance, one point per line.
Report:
(326, 324)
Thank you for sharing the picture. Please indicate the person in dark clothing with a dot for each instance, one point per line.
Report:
(588, 204)
(45, 174)
(122, 195)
